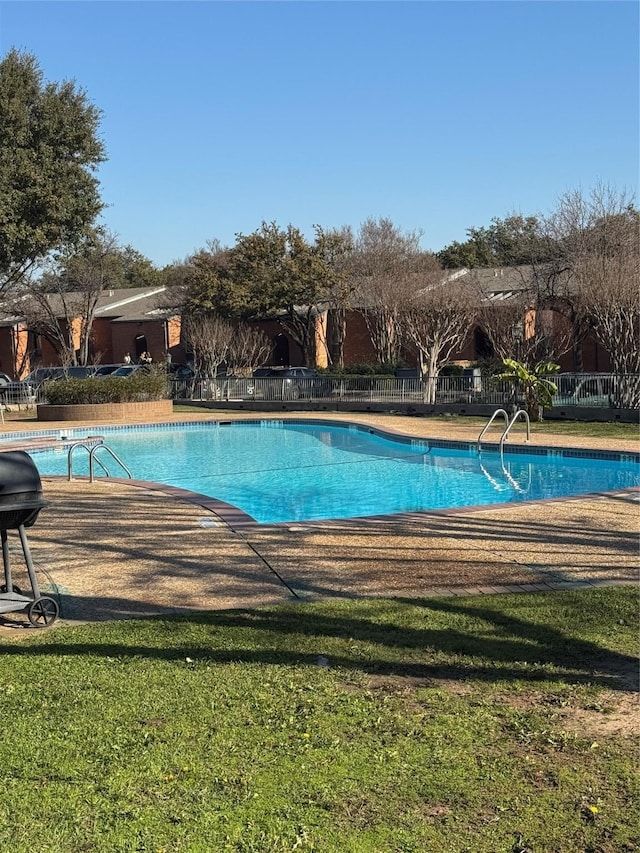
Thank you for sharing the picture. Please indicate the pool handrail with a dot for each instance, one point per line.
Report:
(490, 421)
(505, 434)
(93, 458)
(508, 425)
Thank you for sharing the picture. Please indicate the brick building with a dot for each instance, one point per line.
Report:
(134, 321)
(130, 320)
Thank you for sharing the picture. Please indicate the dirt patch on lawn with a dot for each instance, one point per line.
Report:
(615, 714)
(611, 712)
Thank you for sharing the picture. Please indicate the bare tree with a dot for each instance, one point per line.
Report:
(384, 268)
(210, 338)
(249, 348)
(435, 324)
(61, 305)
(599, 235)
(518, 318)
(51, 316)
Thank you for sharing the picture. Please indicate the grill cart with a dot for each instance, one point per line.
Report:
(20, 503)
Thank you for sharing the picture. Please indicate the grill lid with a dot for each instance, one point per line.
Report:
(18, 476)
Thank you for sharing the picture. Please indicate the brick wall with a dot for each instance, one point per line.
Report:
(107, 412)
(134, 337)
(358, 348)
(101, 346)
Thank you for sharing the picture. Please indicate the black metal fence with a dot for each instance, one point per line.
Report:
(592, 390)
(598, 390)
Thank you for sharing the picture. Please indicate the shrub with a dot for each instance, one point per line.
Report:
(452, 370)
(137, 388)
(366, 369)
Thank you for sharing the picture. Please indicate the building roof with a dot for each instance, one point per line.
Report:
(498, 284)
(495, 284)
(129, 304)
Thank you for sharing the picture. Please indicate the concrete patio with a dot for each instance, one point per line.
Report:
(116, 550)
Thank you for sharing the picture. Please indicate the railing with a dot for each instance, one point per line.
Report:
(92, 451)
(601, 390)
(496, 414)
(18, 396)
(520, 415)
(594, 390)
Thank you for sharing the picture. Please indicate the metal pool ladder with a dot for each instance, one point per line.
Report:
(508, 424)
(93, 458)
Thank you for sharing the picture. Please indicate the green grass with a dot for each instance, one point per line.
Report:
(454, 724)
(595, 429)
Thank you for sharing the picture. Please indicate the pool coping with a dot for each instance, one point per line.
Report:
(237, 520)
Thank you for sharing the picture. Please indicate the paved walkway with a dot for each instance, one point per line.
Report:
(113, 550)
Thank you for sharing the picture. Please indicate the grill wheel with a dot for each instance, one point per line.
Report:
(43, 611)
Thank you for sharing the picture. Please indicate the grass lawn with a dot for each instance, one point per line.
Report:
(484, 724)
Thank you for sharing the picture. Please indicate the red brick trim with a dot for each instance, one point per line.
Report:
(106, 412)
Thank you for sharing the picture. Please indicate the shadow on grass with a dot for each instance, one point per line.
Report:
(465, 640)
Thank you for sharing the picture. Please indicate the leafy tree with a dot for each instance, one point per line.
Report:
(336, 247)
(208, 286)
(288, 278)
(136, 270)
(49, 151)
(514, 241)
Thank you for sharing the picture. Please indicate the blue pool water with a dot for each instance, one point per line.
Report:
(284, 471)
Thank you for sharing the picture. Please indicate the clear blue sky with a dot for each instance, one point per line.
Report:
(438, 115)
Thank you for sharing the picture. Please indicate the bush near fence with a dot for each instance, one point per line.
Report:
(137, 388)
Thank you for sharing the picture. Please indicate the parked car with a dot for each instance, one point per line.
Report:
(24, 391)
(9, 392)
(130, 369)
(79, 372)
(183, 381)
(593, 391)
(181, 371)
(289, 383)
(105, 369)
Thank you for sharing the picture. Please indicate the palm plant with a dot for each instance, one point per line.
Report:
(536, 389)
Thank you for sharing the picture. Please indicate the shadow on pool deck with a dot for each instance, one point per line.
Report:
(110, 550)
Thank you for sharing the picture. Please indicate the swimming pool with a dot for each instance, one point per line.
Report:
(285, 471)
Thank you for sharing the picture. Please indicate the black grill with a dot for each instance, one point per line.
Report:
(20, 503)
(20, 490)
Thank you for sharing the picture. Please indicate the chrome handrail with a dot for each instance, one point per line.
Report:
(491, 420)
(93, 458)
(73, 447)
(512, 422)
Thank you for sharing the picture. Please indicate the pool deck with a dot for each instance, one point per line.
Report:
(116, 550)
